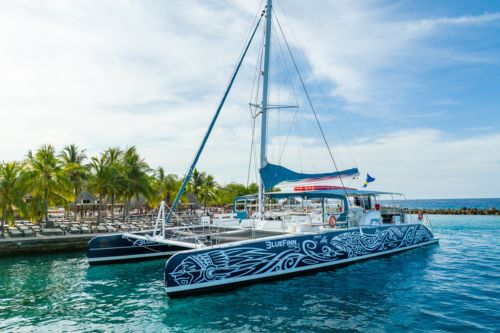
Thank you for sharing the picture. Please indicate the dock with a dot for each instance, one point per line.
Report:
(44, 244)
(68, 236)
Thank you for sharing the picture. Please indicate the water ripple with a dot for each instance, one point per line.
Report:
(450, 287)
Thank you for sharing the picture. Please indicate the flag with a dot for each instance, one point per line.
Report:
(369, 179)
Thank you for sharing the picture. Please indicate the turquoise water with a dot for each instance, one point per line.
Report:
(454, 286)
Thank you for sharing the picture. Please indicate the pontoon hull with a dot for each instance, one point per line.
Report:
(115, 248)
(236, 264)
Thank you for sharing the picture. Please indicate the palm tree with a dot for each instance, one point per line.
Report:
(207, 190)
(12, 191)
(113, 158)
(224, 195)
(100, 181)
(48, 179)
(197, 180)
(135, 173)
(165, 187)
(72, 158)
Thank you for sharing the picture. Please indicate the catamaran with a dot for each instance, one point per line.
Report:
(271, 234)
(291, 232)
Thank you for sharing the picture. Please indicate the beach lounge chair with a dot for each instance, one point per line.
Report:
(52, 232)
(15, 233)
(111, 229)
(100, 229)
(28, 232)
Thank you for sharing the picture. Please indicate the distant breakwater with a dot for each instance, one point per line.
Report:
(454, 211)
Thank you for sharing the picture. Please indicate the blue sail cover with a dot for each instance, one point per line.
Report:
(273, 174)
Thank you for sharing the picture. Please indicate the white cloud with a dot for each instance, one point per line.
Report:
(480, 129)
(422, 163)
(455, 21)
(115, 73)
(425, 163)
(150, 74)
(372, 56)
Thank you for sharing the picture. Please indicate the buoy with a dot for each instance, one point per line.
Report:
(332, 221)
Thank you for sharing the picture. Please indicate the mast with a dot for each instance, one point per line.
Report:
(265, 89)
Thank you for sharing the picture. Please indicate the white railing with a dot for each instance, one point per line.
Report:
(427, 222)
(177, 233)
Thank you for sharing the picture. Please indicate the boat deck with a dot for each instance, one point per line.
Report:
(212, 235)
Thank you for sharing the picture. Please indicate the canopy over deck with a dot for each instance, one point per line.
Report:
(273, 175)
(338, 193)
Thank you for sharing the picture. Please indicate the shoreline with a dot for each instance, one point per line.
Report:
(39, 245)
(453, 211)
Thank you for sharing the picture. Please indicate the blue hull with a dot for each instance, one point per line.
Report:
(233, 265)
(114, 249)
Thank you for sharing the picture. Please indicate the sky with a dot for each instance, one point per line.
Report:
(408, 91)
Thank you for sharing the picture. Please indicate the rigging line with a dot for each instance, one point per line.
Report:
(286, 77)
(288, 135)
(278, 61)
(252, 30)
(257, 76)
(293, 93)
(212, 123)
(261, 64)
(251, 152)
(317, 135)
(256, 166)
(323, 95)
(257, 18)
(256, 79)
(310, 103)
(252, 91)
(258, 73)
(285, 67)
(299, 149)
(307, 152)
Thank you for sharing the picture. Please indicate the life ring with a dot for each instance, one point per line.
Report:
(420, 216)
(332, 221)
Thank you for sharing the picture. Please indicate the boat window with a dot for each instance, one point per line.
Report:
(240, 206)
(312, 204)
(333, 206)
(366, 203)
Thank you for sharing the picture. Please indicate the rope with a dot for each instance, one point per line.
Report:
(212, 123)
(251, 152)
(256, 79)
(257, 18)
(323, 95)
(311, 128)
(280, 60)
(310, 103)
(253, 109)
(292, 92)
